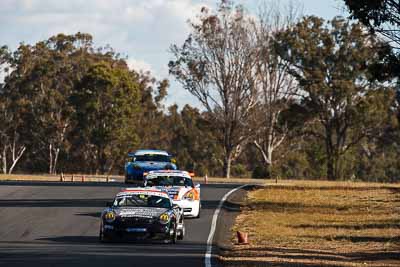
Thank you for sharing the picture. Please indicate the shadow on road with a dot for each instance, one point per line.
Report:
(89, 214)
(220, 186)
(72, 239)
(213, 204)
(82, 240)
(87, 251)
(98, 202)
(46, 183)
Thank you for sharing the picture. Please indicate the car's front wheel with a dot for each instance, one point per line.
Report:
(104, 238)
(198, 213)
(181, 232)
(173, 235)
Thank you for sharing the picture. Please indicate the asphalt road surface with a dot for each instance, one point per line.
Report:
(53, 224)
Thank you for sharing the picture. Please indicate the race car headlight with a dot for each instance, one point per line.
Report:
(164, 218)
(191, 195)
(109, 216)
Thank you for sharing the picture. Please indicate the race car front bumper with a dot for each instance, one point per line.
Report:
(140, 232)
(191, 208)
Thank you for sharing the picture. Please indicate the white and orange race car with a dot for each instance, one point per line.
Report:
(180, 188)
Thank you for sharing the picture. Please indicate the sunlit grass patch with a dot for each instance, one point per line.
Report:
(340, 218)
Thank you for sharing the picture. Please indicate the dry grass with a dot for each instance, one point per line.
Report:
(320, 224)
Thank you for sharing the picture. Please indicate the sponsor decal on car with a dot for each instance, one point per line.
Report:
(141, 212)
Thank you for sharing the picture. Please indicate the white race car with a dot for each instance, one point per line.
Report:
(180, 188)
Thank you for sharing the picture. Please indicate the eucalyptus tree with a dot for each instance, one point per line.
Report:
(381, 17)
(276, 87)
(330, 62)
(216, 64)
(13, 145)
(105, 101)
(40, 83)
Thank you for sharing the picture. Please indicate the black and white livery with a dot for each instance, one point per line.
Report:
(142, 213)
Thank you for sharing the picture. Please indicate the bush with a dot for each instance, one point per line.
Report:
(260, 172)
(239, 170)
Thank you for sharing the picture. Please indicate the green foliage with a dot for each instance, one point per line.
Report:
(215, 64)
(105, 100)
(331, 63)
(260, 172)
(381, 16)
(71, 107)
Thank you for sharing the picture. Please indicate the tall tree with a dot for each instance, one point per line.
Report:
(13, 145)
(216, 64)
(191, 137)
(276, 86)
(331, 63)
(41, 82)
(382, 17)
(106, 101)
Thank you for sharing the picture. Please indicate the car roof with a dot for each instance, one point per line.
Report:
(141, 152)
(154, 174)
(151, 191)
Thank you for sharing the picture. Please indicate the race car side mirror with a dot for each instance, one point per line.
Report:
(109, 204)
(197, 186)
(175, 206)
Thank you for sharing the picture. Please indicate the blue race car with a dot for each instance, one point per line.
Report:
(143, 161)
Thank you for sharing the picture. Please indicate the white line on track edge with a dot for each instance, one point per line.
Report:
(207, 259)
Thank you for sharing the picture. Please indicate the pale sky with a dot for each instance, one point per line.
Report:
(142, 30)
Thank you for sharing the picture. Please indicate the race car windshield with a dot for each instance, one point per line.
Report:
(142, 200)
(170, 181)
(152, 157)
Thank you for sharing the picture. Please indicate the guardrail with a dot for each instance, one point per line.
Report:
(89, 178)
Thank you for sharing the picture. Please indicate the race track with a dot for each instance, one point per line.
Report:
(53, 224)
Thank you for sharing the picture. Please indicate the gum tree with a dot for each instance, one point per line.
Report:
(331, 62)
(216, 64)
(276, 87)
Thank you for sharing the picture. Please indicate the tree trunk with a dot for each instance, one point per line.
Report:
(330, 168)
(330, 154)
(101, 161)
(268, 168)
(227, 165)
(50, 158)
(4, 159)
(267, 157)
(16, 158)
(55, 160)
